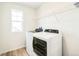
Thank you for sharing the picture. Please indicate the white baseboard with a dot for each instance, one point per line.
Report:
(12, 49)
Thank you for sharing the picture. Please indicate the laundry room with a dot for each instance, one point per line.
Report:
(39, 28)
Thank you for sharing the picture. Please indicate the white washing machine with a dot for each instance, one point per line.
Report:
(53, 43)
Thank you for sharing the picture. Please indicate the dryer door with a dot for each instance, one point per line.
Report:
(39, 46)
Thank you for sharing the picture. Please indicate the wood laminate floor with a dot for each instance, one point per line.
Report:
(18, 52)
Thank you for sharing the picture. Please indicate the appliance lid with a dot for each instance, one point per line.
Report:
(45, 35)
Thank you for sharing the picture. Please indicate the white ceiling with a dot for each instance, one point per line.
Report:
(38, 4)
(31, 4)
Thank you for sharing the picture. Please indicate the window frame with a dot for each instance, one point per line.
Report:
(16, 21)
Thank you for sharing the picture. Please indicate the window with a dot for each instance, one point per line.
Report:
(16, 20)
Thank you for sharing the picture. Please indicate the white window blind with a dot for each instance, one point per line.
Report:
(16, 20)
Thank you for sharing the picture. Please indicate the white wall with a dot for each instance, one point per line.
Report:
(47, 13)
(0, 25)
(54, 8)
(65, 17)
(49, 22)
(10, 40)
(69, 22)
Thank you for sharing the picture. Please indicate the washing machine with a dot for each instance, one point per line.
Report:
(44, 43)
